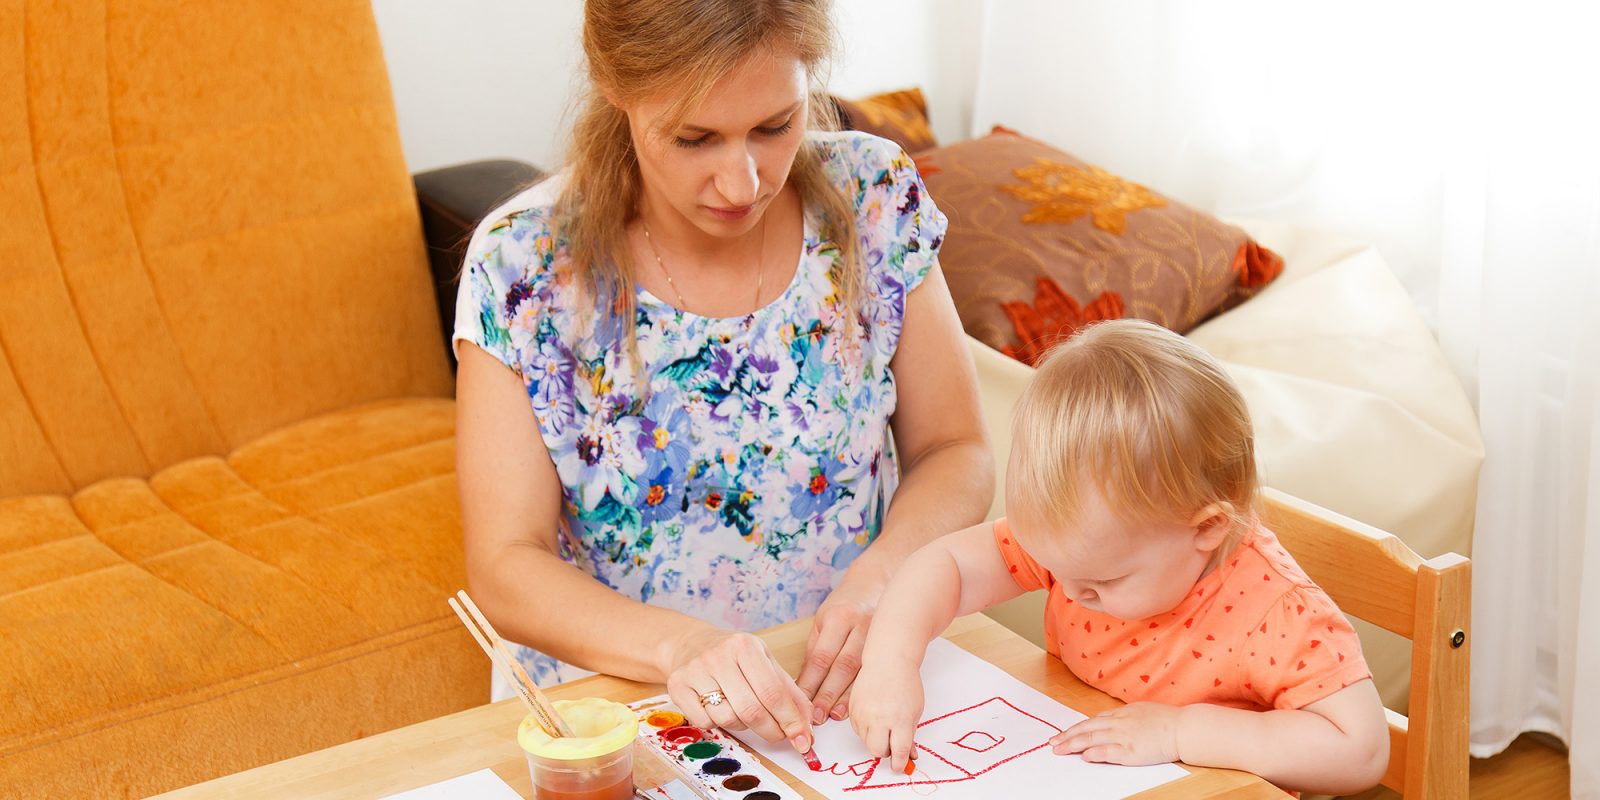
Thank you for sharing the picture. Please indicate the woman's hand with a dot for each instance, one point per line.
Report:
(888, 703)
(833, 651)
(758, 694)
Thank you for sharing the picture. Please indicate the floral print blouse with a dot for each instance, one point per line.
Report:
(755, 465)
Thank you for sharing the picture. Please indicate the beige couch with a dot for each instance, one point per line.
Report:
(1354, 406)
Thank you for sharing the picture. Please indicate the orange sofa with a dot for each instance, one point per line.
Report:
(228, 515)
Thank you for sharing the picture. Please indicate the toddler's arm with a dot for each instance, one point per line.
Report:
(1337, 745)
(957, 574)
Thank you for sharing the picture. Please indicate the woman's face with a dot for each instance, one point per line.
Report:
(723, 166)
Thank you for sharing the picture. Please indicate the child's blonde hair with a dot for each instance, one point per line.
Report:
(1143, 412)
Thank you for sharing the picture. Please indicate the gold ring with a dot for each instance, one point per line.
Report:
(715, 697)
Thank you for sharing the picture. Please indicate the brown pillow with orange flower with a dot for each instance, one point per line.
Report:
(1041, 243)
(901, 117)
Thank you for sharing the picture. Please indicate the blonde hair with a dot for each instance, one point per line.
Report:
(1142, 412)
(644, 49)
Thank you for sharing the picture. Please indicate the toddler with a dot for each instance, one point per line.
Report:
(1132, 497)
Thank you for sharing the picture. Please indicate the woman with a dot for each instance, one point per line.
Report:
(679, 362)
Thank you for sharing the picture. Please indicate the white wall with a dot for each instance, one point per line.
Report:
(893, 44)
(1354, 118)
(477, 79)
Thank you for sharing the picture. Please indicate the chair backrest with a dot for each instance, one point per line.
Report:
(1372, 575)
(207, 231)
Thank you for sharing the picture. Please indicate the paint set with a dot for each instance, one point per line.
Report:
(715, 763)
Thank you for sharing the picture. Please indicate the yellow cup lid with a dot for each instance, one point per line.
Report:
(602, 728)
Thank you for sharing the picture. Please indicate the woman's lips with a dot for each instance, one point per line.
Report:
(731, 213)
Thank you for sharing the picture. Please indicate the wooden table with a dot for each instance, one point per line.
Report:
(471, 740)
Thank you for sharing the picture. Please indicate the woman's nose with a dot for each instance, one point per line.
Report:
(736, 179)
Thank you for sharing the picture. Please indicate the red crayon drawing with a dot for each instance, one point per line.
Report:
(959, 746)
(979, 741)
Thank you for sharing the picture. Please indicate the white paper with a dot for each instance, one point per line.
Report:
(984, 735)
(480, 785)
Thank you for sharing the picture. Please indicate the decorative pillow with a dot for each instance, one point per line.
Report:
(901, 117)
(1041, 243)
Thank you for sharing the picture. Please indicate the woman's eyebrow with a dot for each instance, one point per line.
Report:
(769, 120)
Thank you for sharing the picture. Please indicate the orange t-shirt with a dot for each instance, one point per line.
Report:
(1254, 633)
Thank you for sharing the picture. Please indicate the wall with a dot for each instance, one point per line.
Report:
(479, 79)
(1353, 119)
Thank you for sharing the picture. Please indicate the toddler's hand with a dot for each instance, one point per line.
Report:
(885, 704)
(1133, 735)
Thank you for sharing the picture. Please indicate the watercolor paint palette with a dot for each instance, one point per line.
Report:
(716, 762)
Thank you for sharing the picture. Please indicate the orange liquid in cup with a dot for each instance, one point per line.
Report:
(595, 763)
(621, 790)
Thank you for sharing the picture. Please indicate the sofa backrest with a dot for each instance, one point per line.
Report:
(207, 231)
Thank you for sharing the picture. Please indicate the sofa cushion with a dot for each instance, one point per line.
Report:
(900, 116)
(208, 232)
(1041, 243)
(235, 609)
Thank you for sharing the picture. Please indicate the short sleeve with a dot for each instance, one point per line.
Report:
(1302, 650)
(1029, 575)
(909, 228)
(503, 266)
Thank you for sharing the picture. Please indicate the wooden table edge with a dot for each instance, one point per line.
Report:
(484, 737)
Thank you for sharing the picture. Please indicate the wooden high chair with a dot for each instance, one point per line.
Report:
(1374, 576)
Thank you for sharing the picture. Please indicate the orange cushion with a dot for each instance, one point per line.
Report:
(232, 612)
(899, 116)
(208, 233)
(1042, 243)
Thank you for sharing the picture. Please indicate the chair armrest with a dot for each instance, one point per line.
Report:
(452, 201)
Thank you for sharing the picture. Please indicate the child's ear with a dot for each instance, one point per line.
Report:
(1212, 525)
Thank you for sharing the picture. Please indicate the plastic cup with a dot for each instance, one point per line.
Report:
(595, 764)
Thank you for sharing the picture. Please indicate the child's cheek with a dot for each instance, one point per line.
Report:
(1129, 606)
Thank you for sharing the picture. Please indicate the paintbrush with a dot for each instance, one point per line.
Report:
(494, 647)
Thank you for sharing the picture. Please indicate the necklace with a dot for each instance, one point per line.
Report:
(761, 261)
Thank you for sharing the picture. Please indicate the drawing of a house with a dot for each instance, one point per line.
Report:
(962, 745)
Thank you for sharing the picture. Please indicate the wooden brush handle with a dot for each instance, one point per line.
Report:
(543, 711)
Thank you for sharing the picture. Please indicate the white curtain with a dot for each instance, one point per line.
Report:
(1463, 140)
